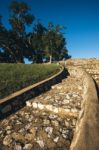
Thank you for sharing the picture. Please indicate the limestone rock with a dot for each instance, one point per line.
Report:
(33, 131)
(29, 104)
(18, 136)
(41, 106)
(27, 147)
(49, 130)
(55, 123)
(40, 142)
(18, 147)
(29, 137)
(46, 122)
(7, 140)
(35, 105)
(56, 139)
(52, 116)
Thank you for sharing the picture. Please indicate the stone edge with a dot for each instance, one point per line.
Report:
(86, 136)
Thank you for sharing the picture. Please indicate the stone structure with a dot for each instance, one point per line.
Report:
(86, 135)
(64, 118)
(90, 65)
(17, 100)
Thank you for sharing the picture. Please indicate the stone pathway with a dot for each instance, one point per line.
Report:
(47, 122)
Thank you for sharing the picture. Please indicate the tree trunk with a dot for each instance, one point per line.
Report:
(50, 59)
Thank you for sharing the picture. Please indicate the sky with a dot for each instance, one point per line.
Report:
(80, 17)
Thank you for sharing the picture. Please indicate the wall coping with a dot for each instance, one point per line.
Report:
(86, 136)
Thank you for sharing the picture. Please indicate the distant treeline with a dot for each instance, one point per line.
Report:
(18, 43)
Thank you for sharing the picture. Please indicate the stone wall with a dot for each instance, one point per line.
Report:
(82, 62)
(17, 100)
(86, 136)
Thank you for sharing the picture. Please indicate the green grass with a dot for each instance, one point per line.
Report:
(14, 77)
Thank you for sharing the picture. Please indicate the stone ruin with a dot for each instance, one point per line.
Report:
(66, 117)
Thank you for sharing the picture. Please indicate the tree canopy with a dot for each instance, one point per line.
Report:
(17, 43)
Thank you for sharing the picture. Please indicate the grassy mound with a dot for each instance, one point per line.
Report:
(14, 77)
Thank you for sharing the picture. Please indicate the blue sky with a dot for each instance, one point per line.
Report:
(81, 17)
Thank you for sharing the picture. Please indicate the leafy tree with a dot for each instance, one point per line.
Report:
(14, 44)
(37, 41)
(19, 19)
(17, 44)
(64, 54)
(9, 43)
(55, 42)
(4, 55)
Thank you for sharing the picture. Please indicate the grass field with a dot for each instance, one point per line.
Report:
(14, 77)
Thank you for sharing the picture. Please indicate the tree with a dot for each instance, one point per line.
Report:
(20, 18)
(37, 41)
(14, 44)
(64, 54)
(55, 42)
(17, 44)
(4, 55)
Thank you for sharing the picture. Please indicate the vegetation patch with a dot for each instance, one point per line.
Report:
(14, 77)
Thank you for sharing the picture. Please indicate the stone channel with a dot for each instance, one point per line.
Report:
(47, 122)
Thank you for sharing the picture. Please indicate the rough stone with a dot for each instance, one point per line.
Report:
(29, 104)
(49, 130)
(33, 131)
(18, 136)
(7, 140)
(56, 139)
(45, 121)
(40, 142)
(27, 147)
(29, 137)
(18, 147)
